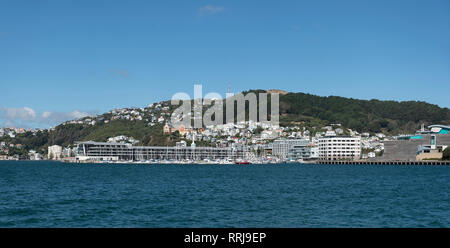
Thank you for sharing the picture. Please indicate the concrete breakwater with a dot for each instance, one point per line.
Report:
(386, 162)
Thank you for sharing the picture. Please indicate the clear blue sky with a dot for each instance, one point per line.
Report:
(93, 56)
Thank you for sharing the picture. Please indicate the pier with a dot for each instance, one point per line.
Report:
(385, 162)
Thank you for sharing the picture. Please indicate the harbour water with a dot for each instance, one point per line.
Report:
(53, 194)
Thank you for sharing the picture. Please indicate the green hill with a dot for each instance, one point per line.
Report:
(300, 109)
(362, 115)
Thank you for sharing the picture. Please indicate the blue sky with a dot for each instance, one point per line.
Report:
(63, 59)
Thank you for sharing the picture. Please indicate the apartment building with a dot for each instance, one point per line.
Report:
(339, 148)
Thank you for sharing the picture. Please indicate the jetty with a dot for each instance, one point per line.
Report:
(387, 162)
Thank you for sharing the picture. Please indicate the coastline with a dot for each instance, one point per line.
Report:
(404, 163)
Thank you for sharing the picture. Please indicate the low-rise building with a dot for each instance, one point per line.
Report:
(291, 149)
(168, 129)
(427, 153)
(33, 155)
(433, 151)
(103, 151)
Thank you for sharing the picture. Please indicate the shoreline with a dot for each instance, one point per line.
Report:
(407, 163)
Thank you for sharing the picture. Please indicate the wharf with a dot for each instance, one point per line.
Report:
(385, 162)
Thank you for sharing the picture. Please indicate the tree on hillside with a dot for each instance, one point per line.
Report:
(175, 135)
(258, 130)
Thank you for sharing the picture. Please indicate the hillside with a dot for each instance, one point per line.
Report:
(296, 109)
(390, 117)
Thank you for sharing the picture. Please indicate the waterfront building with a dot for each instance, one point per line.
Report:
(303, 151)
(426, 153)
(291, 149)
(434, 129)
(433, 151)
(339, 148)
(67, 152)
(103, 151)
(407, 147)
(439, 129)
(33, 155)
(314, 152)
(54, 152)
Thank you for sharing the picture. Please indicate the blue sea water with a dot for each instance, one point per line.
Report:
(52, 194)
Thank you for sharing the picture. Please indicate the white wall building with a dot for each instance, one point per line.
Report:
(54, 152)
(33, 155)
(339, 148)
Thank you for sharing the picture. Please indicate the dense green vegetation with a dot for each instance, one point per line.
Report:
(361, 115)
(446, 154)
(389, 117)
(67, 134)
(155, 137)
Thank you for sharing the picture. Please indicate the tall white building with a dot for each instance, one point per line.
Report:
(54, 152)
(339, 148)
